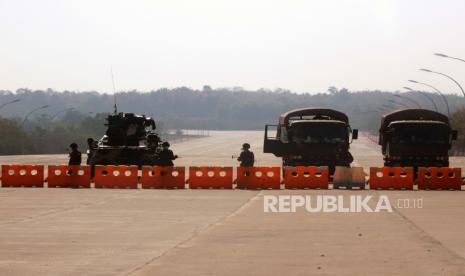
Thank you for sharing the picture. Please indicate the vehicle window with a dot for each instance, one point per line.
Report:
(412, 135)
(319, 133)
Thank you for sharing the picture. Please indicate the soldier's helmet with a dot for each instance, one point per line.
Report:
(73, 146)
(165, 144)
(246, 146)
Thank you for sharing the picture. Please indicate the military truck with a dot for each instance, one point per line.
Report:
(416, 138)
(311, 137)
(129, 140)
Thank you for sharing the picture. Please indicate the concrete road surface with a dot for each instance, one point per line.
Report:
(226, 232)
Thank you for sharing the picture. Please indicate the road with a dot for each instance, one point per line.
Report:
(225, 232)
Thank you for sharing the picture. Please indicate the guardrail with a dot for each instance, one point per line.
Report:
(205, 177)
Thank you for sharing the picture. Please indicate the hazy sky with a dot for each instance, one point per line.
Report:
(304, 46)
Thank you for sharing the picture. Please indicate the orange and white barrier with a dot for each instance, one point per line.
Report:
(258, 177)
(122, 177)
(306, 177)
(22, 176)
(68, 176)
(435, 178)
(163, 177)
(155, 177)
(396, 178)
(210, 177)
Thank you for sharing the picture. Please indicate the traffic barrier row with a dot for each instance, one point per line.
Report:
(439, 178)
(126, 177)
(398, 178)
(306, 178)
(210, 177)
(22, 176)
(391, 178)
(68, 177)
(163, 177)
(258, 178)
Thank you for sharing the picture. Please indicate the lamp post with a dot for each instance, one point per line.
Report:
(25, 119)
(408, 99)
(384, 109)
(447, 76)
(446, 56)
(424, 94)
(10, 102)
(56, 114)
(396, 103)
(59, 112)
(437, 90)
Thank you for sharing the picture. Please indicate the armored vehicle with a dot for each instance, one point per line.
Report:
(311, 137)
(416, 138)
(129, 140)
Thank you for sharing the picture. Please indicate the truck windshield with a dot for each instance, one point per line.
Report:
(319, 133)
(430, 135)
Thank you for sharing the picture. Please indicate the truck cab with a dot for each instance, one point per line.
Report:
(311, 137)
(416, 138)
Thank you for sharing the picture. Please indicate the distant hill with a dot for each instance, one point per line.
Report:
(221, 109)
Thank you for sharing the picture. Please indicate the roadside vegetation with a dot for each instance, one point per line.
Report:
(44, 135)
(52, 129)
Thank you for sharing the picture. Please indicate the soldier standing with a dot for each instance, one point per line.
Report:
(166, 156)
(74, 155)
(247, 157)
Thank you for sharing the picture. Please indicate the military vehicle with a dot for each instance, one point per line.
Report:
(311, 137)
(416, 138)
(129, 140)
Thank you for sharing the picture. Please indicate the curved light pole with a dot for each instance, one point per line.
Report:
(24, 120)
(59, 112)
(437, 90)
(447, 76)
(10, 102)
(394, 102)
(385, 110)
(446, 56)
(424, 94)
(56, 114)
(408, 99)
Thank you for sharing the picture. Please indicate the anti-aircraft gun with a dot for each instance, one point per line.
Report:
(129, 140)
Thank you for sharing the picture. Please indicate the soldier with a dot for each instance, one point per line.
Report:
(166, 156)
(247, 157)
(74, 155)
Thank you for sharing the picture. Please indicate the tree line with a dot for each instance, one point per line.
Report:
(49, 131)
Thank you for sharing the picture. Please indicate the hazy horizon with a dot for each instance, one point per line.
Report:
(303, 46)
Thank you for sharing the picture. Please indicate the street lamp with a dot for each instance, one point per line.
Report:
(437, 90)
(396, 103)
(408, 99)
(447, 76)
(10, 102)
(59, 112)
(446, 56)
(25, 119)
(380, 110)
(424, 94)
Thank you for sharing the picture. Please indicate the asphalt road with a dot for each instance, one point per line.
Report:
(225, 232)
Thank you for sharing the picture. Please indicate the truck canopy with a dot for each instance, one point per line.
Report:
(316, 112)
(411, 114)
